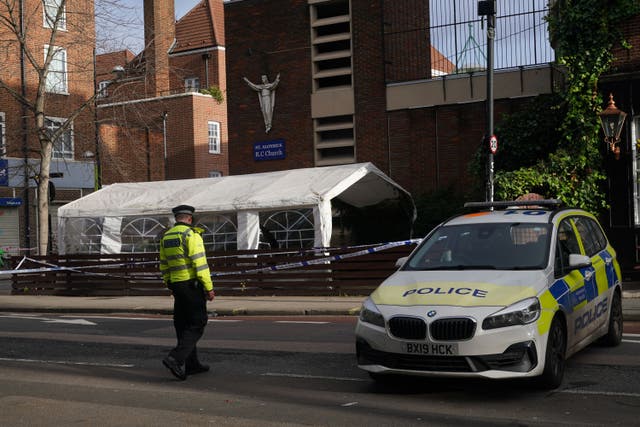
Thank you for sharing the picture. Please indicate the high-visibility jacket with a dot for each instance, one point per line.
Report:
(182, 256)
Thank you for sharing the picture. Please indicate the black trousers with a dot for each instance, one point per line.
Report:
(189, 320)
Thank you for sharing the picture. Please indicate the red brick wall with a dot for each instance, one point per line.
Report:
(79, 44)
(431, 147)
(369, 83)
(628, 59)
(406, 48)
(187, 138)
(269, 37)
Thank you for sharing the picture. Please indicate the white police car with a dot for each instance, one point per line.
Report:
(505, 292)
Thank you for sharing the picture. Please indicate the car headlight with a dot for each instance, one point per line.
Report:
(520, 313)
(369, 313)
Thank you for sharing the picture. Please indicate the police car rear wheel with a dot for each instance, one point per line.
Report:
(555, 356)
(614, 334)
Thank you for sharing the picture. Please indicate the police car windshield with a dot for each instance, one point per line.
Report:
(495, 246)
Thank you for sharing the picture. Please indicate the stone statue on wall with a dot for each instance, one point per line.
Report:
(267, 96)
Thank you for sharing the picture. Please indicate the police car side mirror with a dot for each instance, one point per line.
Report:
(579, 261)
(400, 261)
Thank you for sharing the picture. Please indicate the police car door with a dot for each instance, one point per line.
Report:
(568, 288)
(596, 283)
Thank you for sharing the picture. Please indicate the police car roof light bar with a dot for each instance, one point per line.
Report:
(515, 203)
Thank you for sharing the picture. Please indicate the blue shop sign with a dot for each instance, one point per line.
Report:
(10, 201)
(4, 172)
(269, 150)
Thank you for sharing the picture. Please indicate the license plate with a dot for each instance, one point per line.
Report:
(431, 349)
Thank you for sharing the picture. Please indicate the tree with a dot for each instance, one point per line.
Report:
(54, 41)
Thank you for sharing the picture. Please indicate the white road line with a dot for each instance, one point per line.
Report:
(601, 393)
(632, 341)
(311, 377)
(349, 404)
(225, 320)
(66, 362)
(308, 322)
(631, 335)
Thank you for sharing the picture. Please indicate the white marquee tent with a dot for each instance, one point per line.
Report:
(130, 217)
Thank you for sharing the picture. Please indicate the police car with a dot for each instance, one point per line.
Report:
(509, 290)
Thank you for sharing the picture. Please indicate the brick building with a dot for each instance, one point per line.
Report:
(68, 86)
(151, 105)
(359, 81)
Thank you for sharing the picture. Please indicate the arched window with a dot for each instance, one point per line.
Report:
(86, 235)
(287, 229)
(220, 232)
(142, 234)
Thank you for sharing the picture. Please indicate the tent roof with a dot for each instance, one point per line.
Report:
(360, 184)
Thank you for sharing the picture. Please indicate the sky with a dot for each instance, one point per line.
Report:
(124, 29)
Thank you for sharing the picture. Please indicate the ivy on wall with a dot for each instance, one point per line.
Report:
(583, 34)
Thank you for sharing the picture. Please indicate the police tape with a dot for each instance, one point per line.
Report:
(49, 267)
(320, 260)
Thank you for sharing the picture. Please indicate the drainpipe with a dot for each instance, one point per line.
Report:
(25, 139)
(97, 183)
(164, 140)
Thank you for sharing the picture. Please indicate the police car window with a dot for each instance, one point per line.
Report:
(598, 234)
(592, 236)
(566, 244)
(588, 242)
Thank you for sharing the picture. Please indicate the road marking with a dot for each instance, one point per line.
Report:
(311, 377)
(49, 320)
(349, 404)
(632, 341)
(631, 335)
(308, 322)
(604, 393)
(225, 320)
(66, 362)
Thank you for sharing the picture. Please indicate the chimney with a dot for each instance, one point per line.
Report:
(159, 34)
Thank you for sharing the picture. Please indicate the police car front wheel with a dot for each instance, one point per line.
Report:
(555, 356)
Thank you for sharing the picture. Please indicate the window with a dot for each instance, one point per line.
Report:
(567, 244)
(3, 142)
(103, 88)
(192, 84)
(215, 174)
(63, 144)
(50, 12)
(214, 137)
(57, 75)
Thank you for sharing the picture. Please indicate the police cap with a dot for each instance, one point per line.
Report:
(183, 209)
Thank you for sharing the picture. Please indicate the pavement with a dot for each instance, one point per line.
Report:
(227, 306)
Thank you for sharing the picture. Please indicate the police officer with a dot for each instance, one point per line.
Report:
(184, 268)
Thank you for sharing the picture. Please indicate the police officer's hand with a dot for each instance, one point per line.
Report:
(210, 295)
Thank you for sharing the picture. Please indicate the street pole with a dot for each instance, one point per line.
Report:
(488, 8)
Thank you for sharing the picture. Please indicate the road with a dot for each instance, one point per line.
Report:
(61, 370)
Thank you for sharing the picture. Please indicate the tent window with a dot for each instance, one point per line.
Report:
(287, 229)
(86, 235)
(220, 232)
(142, 234)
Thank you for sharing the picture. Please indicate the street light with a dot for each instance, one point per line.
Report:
(612, 120)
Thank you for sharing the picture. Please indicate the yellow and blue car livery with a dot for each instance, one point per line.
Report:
(501, 293)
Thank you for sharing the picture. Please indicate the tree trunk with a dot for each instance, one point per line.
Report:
(43, 198)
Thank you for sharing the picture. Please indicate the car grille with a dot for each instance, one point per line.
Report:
(408, 328)
(519, 357)
(456, 329)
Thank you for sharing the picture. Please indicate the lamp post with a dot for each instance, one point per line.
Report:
(612, 121)
(488, 8)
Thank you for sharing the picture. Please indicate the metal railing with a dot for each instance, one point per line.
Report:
(522, 36)
(459, 35)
